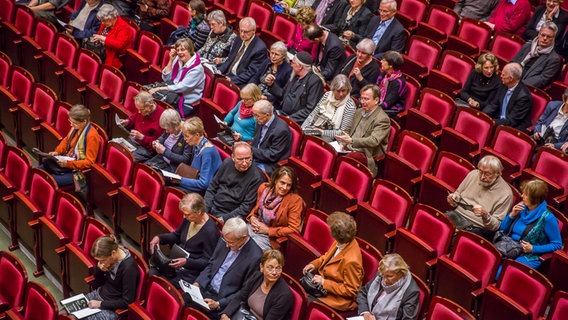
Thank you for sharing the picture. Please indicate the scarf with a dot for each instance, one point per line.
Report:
(331, 109)
(386, 305)
(269, 204)
(536, 51)
(244, 111)
(80, 149)
(537, 235)
(193, 24)
(385, 82)
(194, 61)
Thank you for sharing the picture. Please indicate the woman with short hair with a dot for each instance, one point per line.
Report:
(240, 118)
(482, 83)
(361, 68)
(352, 24)
(276, 70)
(392, 84)
(306, 16)
(115, 34)
(218, 44)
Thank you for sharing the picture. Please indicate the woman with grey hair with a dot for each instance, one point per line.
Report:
(361, 68)
(171, 148)
(220, 39)
(334, 112)
(399, 294)
(115, 34)
(276, 70)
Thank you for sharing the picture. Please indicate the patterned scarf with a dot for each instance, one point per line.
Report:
(269, 204)
(385, 82)
(244, 111)
(81, 145)
(536, 51)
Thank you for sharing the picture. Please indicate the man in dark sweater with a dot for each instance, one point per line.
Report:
(232, 191)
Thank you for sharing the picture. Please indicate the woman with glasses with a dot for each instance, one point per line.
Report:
(265, 295)
(114, 33)
(220, 39)
(276, 70)
(278, 210)
(550, 11)
(361, 68)
(240, 119)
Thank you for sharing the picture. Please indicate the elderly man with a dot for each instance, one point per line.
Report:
(539, 60)
(385, 30)
(232, 191)
(330, 55)
(510, 16)
(368, 135)
(482, 200)
(248, 54)
(234, 259)
(511, 105)
(302, 93)
(475, 9)
(272, 137)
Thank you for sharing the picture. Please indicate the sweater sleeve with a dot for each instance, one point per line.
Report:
(553, 234)
(207, 170)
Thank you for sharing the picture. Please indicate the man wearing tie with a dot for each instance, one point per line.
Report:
(385, 30)
(512, 104)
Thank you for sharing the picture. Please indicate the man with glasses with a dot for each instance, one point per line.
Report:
(232, 192)
(247, 55)
(482, 200)
(385, 30)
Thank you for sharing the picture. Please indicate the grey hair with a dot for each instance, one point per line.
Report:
(281, 47)
(193, 202)
(217, 16)
(248, 20)
(392, 3)
(107, 11)
(550, 25)
(515, 70)
(340, 81)
(264, 106)
(237, 226)
(145, 98)
(170, 118)
(491, 162)
(241, 144)
(366, 45)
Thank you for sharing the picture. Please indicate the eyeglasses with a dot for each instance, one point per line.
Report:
(545, 36)
(247, 99)
(74, 123)
(245, 31)
(486, 174)
(230, 243)
(272, 269)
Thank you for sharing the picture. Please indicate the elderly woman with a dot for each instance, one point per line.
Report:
(265, 294)
(115, 34)
(531, 223)
(340, 269)
(361, 68)
(150, 12)
(81, 144)
(550, 11)
(482, 83)
(392, 294)
(206, 158)
(391, 83)
(276, 70)
(198, 28)
(278, 210)
(171, 148)
(305, 17)
(83, 23)
(240, 119)
(353, 22)
(184, 76)
(116, 278)
(334, 112)
(551, 129)
(197, 234)
(144, 126)
(220, 39)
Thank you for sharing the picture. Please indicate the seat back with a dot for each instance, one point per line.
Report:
(119, 162)
(424, 50)
(161, 293)
(194, 314)
(443, 18)
(552, 164)
(457, 65)
(5, 63)
(66, 48)
(144, 274)
(392, 201)
(3, 149)
(424, 295)
(474, 32)
(24, 20)
(43, 102)
(21, 84)
(111, 83)
(131, 89)
(477, 256)
(414, 10)
(262, 14)
(297, 135)
(318, 155)
(179, 13)
(371, 258)
(442, 308)
(88, 65)
(559, 306)
(45, 34)
(514, 144)
(43, 191)
(300, 297)
(451, 168)
(18, 168)
(316, 231)
(93, 230)
(438, 105)
(149, 46)
(62, 125)
(147, 184)
(320, 311)
(13, 280)
(539, 101)
(70, 216)
(40, 304)
(417, 150)
(7, 14)
(505, 45)
(170, 206)
(354, 177)
(412, 91)
(226, 94)
(474, 124)
(284, 25)
(431, 226)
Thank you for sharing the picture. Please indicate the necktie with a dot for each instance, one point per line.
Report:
(505, 102)
(379, 33)
(237, 59)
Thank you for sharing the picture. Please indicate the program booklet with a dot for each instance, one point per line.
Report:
(78, 306)
(47, 155)
(194, 292)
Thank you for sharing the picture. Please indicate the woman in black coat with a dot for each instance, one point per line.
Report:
(277, 70)
(353, 22)
(361, 68)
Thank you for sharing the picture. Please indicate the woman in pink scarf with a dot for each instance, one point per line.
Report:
(392, 84)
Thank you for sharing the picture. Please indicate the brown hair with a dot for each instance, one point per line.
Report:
(279, 173)
(536, 190)
(272, 254)
(104, 246)
(343, 227)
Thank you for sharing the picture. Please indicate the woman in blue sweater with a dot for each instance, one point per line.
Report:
(544, 235)
(240, 119)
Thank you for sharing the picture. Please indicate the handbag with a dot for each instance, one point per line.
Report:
(96, 46)
(167, 96)
(243, 314)
(79, 181)
(52, 167)
(162, 262)
(312, 288)
(509, 247)
(187, 171)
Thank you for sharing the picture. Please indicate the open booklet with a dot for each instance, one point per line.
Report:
(125, 143)
(222, 124)
(339, 147)
(194, 292)
(47, 155)
(118, 124)
(78, 306)
(355, 318)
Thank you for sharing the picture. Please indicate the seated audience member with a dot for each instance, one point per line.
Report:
(301, 94)
(551, 129)
(276, 70)
(198, 28)
(550, 11)
(150, 12)
(125, 8)
(247, 55)
(240, 119)
(541, 64)
(328, 11)
(385, 30)
(330, 54)
(334, 112)
(531, 223)
(231, 193)
(481, 84)
(297, 7)
(114, 33)
(272, 137)
(368, 135)
(81, 143)
(184, 76)
(197, 234)
(278, 210)
(206, 158)
(305, 17)
(45, 9)
(171, 148)
(361, 68)
(265, 295)
(353, 21)
(475, 9)
(512, 103)
(392, 83)
(392, 294)
(83, 23)
(116, 278)
(340, 269)
(235, 259)
(510, 16)
(220, 39)
(489, 195)
(144, 126)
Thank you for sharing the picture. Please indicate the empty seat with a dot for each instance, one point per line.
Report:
(39, 305)
(558, 308)
(411, 12)
(433, 113)
(504, 46)
(225, 96)
(49, 135)
(320, 311)
(442, 308)
(15, 177)
(138, 59)
(451, 73)
(472, 37)
(551, 166)
(12, 282)
(74, 79)
(421, 56)
(163, 301)
(300, 297)
(41, 108)
(262, 13)
(539, 101)
(440, 22)
(33, 46)
(64, 54)
(109, 89)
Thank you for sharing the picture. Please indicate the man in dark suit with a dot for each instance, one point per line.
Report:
(234, 259)
(385, 30)
(328, 11)
(272, 140)
(330, 54)
(554, 118)
(512, 104)
(540, 62)
(248, 54)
